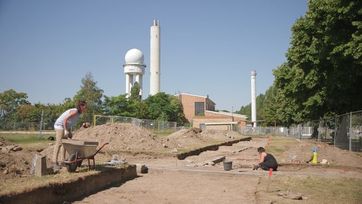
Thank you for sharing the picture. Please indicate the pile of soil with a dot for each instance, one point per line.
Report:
(185, 138)
(127, 137)
(121, 137)
(196, 137)
(13, 163)
(221, 135)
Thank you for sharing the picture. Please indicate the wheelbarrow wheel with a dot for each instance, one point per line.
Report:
(72, 166)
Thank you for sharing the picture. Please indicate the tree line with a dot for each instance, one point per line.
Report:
(322, 76)
(16, 109)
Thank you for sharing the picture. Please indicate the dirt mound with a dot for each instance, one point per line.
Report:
(196, 137)
(183, 138)
(125, 137)
(13, 163)
(121, 137)
(3, 142)
(221, 135)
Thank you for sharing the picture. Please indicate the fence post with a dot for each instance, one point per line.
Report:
(319, 130)
(350, 131)
(335, 130)
(94, 120)
(41, 122)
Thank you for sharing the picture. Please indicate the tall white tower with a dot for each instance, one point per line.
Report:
(253, 97)
(155, 58)
(134, 69)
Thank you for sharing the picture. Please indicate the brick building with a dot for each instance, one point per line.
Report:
(200, 112)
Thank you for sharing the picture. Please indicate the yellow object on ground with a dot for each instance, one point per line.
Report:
(314, 158)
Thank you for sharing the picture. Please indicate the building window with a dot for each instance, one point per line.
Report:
(199, 108)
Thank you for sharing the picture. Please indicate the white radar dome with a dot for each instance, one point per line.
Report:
(134, 56)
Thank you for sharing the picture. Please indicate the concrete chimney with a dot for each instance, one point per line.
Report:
(155, 58)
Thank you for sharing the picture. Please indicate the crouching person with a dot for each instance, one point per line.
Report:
(266, 161)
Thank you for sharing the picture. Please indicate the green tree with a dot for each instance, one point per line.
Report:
(92, 94)
(165, 107)
(123, 106)
(10, 100)
(135, 92)
(115, 105)
(141, 109)
(323, 72)
(246, 110)
(277, 108)
(177, 114)
(159, 106)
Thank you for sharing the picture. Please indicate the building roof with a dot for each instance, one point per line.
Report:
(206, 97)
(228, 114)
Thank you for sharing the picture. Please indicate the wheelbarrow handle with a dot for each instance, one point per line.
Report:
(100, 148)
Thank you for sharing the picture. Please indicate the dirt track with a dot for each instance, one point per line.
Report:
(187, 181)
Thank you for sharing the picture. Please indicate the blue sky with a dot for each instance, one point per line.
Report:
(207, 47)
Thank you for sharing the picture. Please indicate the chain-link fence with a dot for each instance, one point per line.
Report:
(157, 126)
(348, 132)
(343, 131)
(40, 123)
(26, 126)
(263, 131)
(162, 127)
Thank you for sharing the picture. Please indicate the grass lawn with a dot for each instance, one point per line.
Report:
(28, 141)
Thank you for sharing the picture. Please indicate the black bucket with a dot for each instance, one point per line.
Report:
(228, 165)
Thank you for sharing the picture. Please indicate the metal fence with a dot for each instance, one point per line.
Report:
(348, 131)
(263, 131)
(343, 131)
(26, 126)
(154, 125)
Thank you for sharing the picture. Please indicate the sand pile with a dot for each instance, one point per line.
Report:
(121, 137)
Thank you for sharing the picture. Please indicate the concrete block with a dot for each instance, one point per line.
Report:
(40, 165)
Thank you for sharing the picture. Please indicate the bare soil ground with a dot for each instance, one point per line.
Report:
(13, 164)
(195, 180)
(198, 180)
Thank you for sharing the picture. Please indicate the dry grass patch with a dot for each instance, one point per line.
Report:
(314, 189)
(278, 144)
